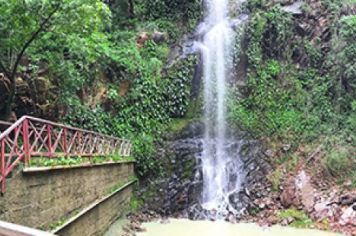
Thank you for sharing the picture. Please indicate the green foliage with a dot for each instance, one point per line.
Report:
(284, 99)
(255, 31)
(339, 163)
(69, 46)
(87, 45)
(74, 19)
(58, 223)
(135, 204)
(171, 9)
(51, 162)
(343, 63)
(145, 153)
(300, 218)
(252, 5)
(268, 34)
(287, 106)
(351, 120)
(148, 106)
(176, 17)
(75, 161)
(313, 53)
(335, 6)
(178, 83)
(275, 178)
(178, 124)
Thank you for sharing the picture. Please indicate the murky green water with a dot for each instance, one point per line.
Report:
(185, 227)
(116, 229)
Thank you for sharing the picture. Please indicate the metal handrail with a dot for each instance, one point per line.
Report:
(14, 125)
(5, 123)
(30, 136)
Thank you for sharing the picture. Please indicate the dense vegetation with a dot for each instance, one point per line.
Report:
(96, 64)
(300, 87)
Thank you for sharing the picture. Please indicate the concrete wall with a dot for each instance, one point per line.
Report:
(97, 218)
(41, 197)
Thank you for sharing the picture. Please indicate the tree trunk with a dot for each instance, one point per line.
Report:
(6, 114)
(11, 73)
(131, 10)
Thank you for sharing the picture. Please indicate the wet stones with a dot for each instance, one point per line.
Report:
(179, 193)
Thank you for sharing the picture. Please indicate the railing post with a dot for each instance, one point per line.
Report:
(79, 147)
(65, 148)
(17, 143)
(26, 141)
(88, 150)
(49, 141)
(2, 166)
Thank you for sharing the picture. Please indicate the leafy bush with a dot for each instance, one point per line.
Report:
(300, 218)
(343, 63)
(268, 35)
(178, 83)
(339, 163)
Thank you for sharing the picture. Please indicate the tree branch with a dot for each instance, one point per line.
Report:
(2, 67)
(11, 76)
(33, 37)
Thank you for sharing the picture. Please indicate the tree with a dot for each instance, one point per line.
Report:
(24, 22)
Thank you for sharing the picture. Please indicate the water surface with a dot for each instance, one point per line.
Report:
(184, 227)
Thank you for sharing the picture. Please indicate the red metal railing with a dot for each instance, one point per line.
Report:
(33, 137)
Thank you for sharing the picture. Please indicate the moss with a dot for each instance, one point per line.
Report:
(178, 124)
(245, 149)
(120, 184)
(188, 170)
(61, 221)
(275, 179)
(74, 161)
(300, 218)
(135, 204)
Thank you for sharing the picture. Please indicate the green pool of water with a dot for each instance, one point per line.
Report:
(184, 227)
(116, 229)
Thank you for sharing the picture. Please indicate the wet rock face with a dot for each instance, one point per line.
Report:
(179, 193)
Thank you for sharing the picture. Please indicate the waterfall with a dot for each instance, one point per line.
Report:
(221, 169)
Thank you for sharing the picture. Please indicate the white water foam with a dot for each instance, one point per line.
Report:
(221, 169)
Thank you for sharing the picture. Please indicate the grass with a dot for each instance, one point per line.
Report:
(60, 222)
(135, 204)
(276, 178)
(338, 162)
(120, 184)
(300, 218)
(331, 157)
(75, 161)
(178, 124)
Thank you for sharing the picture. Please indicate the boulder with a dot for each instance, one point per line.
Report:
(158, 37)
(348, 217)
(289, 194)
(295, 8)
(22, 87)
(141, 39)
(42, 85)
(323, 210)
(305, 190)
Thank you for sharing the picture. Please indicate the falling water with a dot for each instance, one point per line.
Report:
(221, 169)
